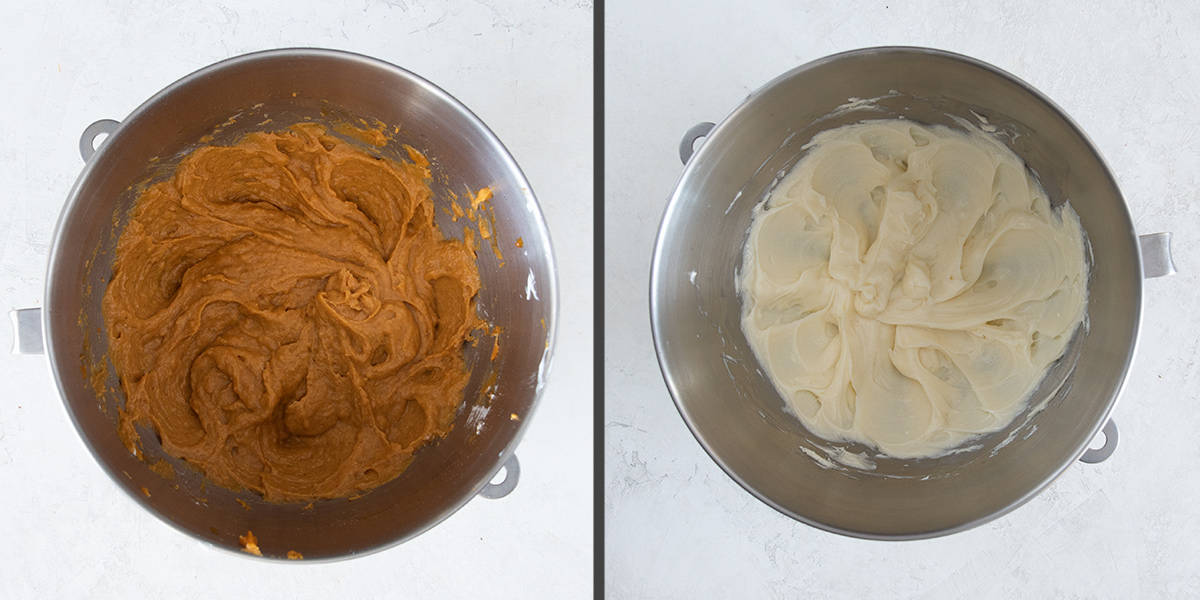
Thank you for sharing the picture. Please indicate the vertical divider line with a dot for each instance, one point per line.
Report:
(598, 297)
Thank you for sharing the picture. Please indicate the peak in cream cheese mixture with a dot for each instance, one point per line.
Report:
(908, 287)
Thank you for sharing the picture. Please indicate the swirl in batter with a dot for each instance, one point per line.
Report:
(908, 287)
(287, 317)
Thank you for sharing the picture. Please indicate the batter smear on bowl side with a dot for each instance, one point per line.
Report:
(287, 317)
(908, 287)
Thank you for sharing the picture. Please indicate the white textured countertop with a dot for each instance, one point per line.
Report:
(678, 527)
(524, 67)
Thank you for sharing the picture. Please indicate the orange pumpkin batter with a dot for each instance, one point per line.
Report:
(287, 317)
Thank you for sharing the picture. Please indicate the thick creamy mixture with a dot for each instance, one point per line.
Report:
(287, 317)
(907, 287)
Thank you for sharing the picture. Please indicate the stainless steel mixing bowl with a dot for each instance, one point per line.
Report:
(731, 406)
(288, 86)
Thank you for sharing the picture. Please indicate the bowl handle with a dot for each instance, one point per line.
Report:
(27, 328)
(1095, 455)
(687, 145)
(512, 473)
(87, 141)
(1156, 262)
(1156, 255)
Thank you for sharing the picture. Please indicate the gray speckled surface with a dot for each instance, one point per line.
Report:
(678, 527)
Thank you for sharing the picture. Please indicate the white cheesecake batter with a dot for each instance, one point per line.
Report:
(908, 287)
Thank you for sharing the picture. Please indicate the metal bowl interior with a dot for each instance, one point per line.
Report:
(730, 404)
(518, 293)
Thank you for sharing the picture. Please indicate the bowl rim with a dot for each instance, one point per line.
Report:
(539, 227)
(672, 207)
